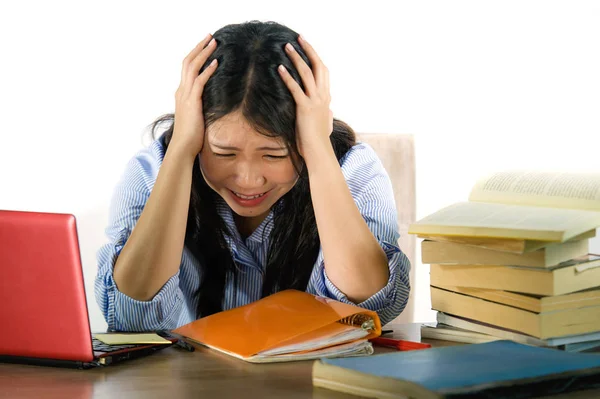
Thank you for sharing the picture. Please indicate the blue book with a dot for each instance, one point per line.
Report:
(499, 369)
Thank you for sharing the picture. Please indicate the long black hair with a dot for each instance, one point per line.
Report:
(247, 80)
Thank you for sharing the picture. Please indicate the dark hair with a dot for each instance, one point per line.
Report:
(247, 80)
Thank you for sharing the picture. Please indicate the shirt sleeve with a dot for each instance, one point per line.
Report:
(371, 189)
(121, 312)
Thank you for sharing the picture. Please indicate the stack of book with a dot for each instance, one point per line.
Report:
(514, 261)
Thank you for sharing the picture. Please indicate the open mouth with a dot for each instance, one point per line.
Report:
(248, 197)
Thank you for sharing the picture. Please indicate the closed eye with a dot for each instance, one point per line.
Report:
(223, 155)
(276, 156)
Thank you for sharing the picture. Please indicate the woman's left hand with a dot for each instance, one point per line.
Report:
(314, 119)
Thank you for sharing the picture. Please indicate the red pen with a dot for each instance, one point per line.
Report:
(399, 344)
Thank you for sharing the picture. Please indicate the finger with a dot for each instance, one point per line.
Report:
(291, 84)
(196, 64)
(303, 69)
(320, 71)
(188, 59)
(201, 79)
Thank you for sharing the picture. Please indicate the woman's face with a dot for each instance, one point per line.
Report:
(249, 170)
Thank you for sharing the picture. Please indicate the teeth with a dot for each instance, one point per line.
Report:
(247, 197)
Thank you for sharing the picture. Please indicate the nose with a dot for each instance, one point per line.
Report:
(249, 175)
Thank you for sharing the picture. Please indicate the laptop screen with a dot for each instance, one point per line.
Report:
(42, 293)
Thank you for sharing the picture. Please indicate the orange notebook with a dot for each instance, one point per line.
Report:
(286, 326)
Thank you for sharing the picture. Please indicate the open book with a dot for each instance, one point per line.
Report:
(286, 326)
(540, 206)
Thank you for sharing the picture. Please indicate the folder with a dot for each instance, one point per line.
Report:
(286, 326)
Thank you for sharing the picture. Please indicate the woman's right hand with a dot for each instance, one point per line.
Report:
(188, 130)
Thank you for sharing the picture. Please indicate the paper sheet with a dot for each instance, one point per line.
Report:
(126, 339)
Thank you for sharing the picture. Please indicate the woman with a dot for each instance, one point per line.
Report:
(253, 188)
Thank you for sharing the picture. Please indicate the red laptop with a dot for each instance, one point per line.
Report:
(43, 309)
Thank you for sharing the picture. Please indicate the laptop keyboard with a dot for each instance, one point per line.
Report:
(100, 346)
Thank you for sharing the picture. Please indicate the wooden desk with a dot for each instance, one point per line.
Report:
(173, 373)
(170, 373)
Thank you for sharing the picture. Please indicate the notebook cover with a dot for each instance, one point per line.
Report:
(264, 324)
(464, 368)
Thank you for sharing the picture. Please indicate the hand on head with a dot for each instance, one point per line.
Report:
(188, 132)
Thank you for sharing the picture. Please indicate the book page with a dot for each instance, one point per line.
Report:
(329, 335)
(545, 189)
(481, 219)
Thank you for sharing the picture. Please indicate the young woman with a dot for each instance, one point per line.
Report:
(253, 188)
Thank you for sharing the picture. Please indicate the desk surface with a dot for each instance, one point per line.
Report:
(174, 373)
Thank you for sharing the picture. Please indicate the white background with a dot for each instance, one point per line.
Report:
(482, 85)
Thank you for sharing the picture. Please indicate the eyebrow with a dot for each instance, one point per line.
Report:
(230, 148)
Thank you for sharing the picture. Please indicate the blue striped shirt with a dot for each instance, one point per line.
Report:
(175, 304)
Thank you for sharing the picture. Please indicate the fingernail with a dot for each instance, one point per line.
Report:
(289, 47)
(301, 38)
(213, 63)
(207, 36)
(281, 68)
(212, 42)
